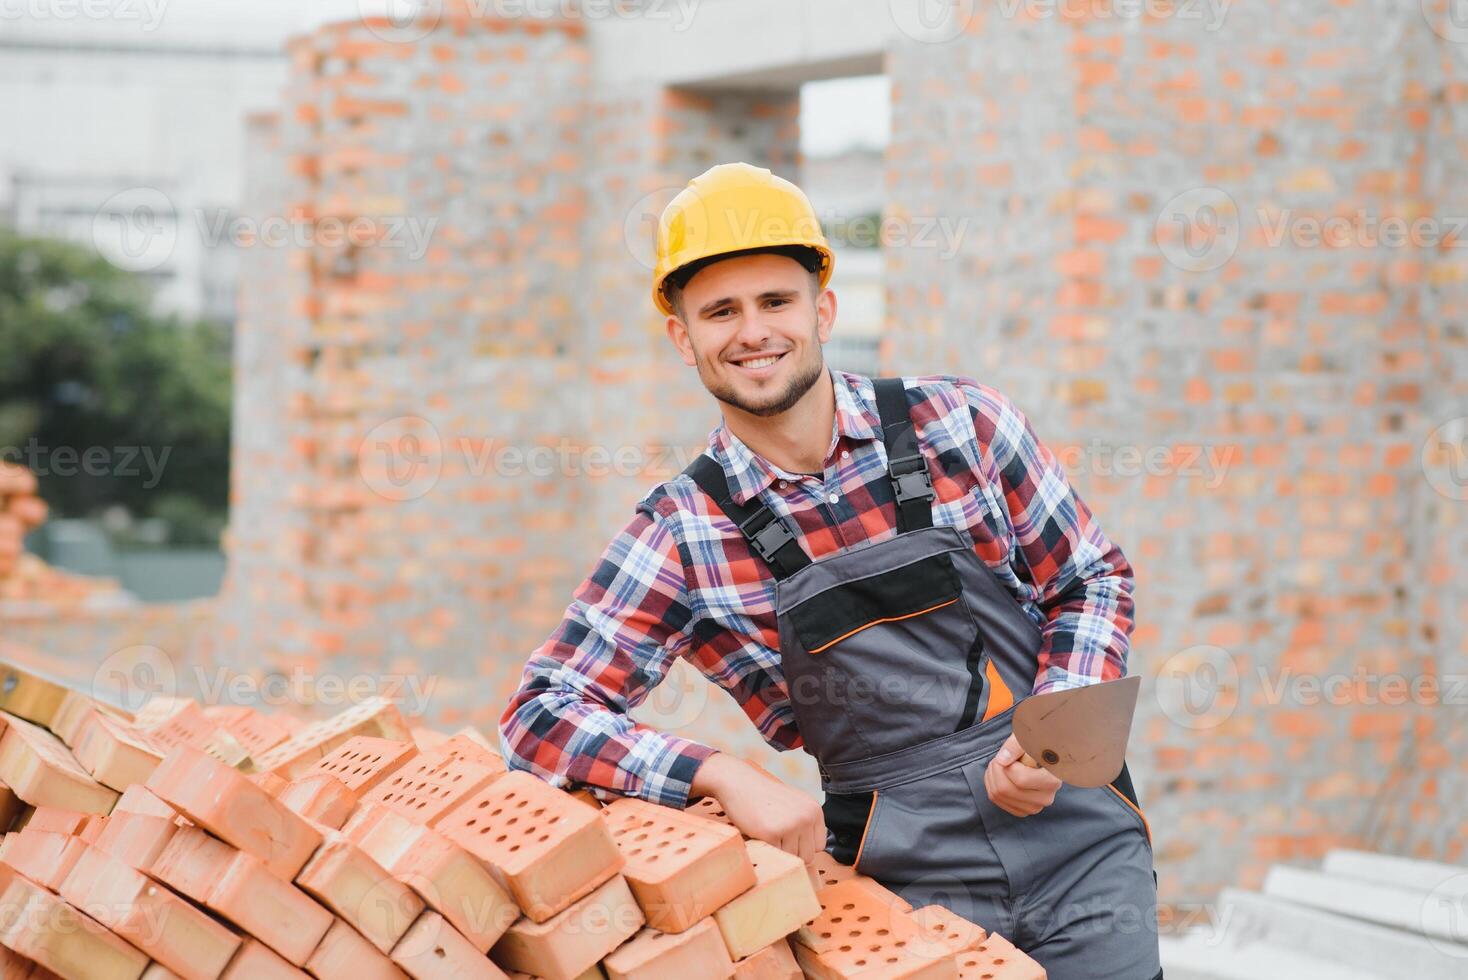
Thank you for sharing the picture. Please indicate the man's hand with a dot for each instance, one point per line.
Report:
(762, 806)
(1014, 787)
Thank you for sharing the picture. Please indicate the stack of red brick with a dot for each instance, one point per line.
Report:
(22, 575)
(222, 842)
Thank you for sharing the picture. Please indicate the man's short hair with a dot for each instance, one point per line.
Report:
(808, 257)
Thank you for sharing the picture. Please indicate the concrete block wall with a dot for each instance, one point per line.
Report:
(1279, 584)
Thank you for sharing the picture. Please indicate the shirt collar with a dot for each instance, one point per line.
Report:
(748, 472)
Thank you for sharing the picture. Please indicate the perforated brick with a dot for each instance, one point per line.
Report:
(40, 770)
(859, 933)
(826, 870)
(362, 762)
(780, 901)
(681, 867)
(548, 849)
(431, 785)
(171, 722)
(377, 717)
(571, 942)
(996, 958)
(257, 732)
(652, 954)
(710, 809)
(947, 927)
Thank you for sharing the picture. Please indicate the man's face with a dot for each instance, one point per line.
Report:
(754, 330)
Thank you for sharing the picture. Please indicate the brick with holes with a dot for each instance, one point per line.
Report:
(228, 805)
(571, 942)
(681, 867)
(41, 855)
(150, 916)
(710, 809)
(996, 958)
(433, 783)
(256, 961)
(377, 717)
(360, 891)
(344, 955)
(652, 954)
(858, 932)
(781, 901)
(432, 950)
(51, 931)
(947, 927)
(171, 722)
(256, 732)
(275, 912)
(448, 878)
(774, 962)
(546, 848)
(191, 862)
(320, 798)
(362, 762)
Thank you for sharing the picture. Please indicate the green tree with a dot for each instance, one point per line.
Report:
(85, 367)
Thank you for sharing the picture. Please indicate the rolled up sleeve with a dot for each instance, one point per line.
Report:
(627, 623)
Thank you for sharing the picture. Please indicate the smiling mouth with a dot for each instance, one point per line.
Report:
(756, 364)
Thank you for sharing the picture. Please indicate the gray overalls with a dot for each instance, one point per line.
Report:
(901, 657)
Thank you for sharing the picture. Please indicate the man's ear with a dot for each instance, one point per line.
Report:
(825, 314)
(678, 334)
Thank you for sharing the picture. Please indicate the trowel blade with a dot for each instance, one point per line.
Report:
(1080, 735)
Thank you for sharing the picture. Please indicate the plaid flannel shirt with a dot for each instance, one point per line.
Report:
(681, 582)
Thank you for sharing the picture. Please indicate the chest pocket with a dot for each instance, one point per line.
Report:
(826, 619)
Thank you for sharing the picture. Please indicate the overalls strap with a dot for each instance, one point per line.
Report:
(769, 536)
(912, 485)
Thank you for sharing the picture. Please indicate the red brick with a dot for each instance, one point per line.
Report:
(432, 784)
(775, 962)
(256, 961)
(343, 953)
(234, 809)
(362, 762)
(572, 941)
(56, 935)
(681, 867)
(548, 850)
(191, 862)
(431, 950)
(360, 891)
(114, 756)
(273, 911)
(781, 901)
(320, 798)
(140, 799)
(149, 916)
(652, 954)
(42, 771)
(41, 855)
(996, 958)
(377, 717)
(136, 839)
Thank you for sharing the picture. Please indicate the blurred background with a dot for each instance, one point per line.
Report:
(325, 335)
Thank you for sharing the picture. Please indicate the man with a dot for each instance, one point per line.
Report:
(876, 571)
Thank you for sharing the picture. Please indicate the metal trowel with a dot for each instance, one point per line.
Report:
(1080, 735)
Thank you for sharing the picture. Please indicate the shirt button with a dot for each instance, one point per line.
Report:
(845, 454)
(783, 484)
(834, 498)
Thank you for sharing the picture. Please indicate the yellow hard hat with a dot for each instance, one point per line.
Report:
(734, 207)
